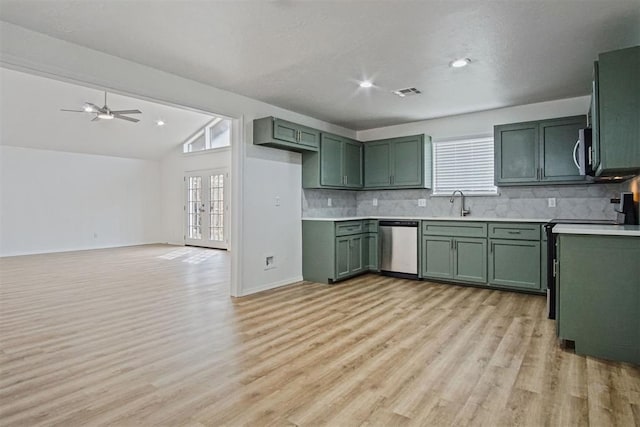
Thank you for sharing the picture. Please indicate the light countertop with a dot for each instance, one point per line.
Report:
(432, 218)
(605, 230)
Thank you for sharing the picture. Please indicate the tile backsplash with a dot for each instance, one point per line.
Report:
(572, 201)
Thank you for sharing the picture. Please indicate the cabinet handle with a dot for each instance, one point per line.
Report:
(346, 180)
(491, 248)
(513, 232)
(451, 244)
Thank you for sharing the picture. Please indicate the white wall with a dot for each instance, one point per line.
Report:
(263, 229)
(481, 123)
(53, 201)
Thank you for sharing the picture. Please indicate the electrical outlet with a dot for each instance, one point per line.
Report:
(374, 202)
(552, 202)
(329, 202)
(422, 203)
(277, 200)
(269, 262)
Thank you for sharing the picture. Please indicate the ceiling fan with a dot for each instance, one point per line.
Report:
(105, 113)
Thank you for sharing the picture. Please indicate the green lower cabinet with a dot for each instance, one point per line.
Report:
(515, 264)
(437, 257)
(337, 250)
(470, 260)
(460, 258)
(349, 256)
(598, 291)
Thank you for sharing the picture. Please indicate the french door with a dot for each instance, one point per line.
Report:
(207, 208)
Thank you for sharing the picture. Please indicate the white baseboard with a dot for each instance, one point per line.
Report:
(272, 285)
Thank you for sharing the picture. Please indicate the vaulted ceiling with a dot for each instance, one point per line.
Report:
(30, 117)
(308, 56)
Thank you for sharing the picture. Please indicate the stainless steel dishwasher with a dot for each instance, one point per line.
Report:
(399, 248)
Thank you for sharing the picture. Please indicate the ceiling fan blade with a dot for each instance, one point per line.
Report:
(73, 111)
(126, 111)
(95, 119)
(130, 119)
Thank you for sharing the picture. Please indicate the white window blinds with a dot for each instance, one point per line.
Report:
(465, 165)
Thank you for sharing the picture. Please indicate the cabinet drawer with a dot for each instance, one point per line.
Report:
(370, 226)
(516, 231)
(454, 228)
(344, 228)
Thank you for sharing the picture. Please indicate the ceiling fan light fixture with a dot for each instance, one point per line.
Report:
(87, 108)
(105, 116)
(459, 63)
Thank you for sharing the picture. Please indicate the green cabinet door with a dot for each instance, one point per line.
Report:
(285, 131)
(370, 251)
(377, 171)
(437, 257)
(308, 136)
(407, 161)
(331, 161)
(558, 139)
(343, 252)
(514, 263)
(356, 264)
(516, 153)
(352, 163)
(618, 110)
(349, 256)
(470, 260)
(595, 119)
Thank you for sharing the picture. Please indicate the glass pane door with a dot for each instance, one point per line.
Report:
(206, 209)
(216, 207)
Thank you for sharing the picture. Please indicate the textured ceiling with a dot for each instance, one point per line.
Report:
(307, 56)
(30, 116)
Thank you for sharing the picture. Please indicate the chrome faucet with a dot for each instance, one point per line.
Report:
(463, 211)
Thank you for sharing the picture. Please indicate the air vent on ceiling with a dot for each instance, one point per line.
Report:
(409, 91)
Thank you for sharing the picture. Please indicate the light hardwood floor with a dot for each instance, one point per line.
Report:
(147, 335)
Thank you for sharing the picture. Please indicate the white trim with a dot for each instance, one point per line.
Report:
(237, 198)
(272, 285)
(209, 151)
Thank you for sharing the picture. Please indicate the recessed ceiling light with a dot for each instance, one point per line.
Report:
(160, 123)
(459, 63)
(366, 83)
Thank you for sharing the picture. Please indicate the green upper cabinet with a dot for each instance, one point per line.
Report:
(398, 163)
(338, 164)
(278, 133)
(538, 152)
(376, 164)
(516, 153)
(557, 138)
(615, 112)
